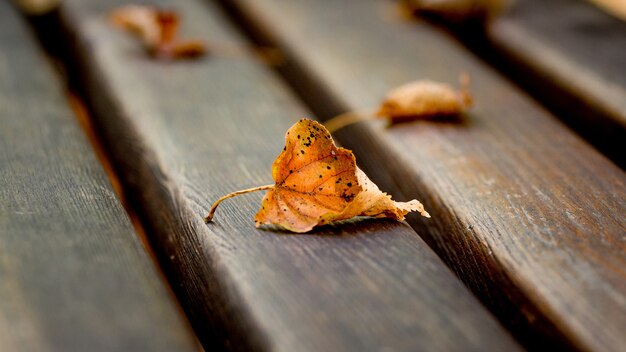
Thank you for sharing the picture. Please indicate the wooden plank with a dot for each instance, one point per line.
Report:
(526, 213)
(571, 55)
(74, 276)
(185, 133)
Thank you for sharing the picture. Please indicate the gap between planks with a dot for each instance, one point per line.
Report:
(82, 114)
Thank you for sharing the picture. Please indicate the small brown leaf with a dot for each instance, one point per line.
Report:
(138, 19)
(317, 183)
(158, 29)
(424, 99)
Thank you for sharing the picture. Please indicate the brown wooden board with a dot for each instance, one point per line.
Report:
(572, 56)
(527, 214)
(183, 134)
(74, 276)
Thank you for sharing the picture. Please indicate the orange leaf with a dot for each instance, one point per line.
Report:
(317, 183)
(140, 20)
(417, 100)
(158, 29)
(425, 99)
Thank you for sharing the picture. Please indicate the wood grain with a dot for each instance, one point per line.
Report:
(73, 274)
(527, 214)
(185, 133)
(571, 55)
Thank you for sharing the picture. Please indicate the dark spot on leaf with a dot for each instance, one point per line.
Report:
(328, 167)
(349, 184)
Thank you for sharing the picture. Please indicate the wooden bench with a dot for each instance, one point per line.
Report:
(571, 55)
(186, 133)
(529, 216)
(74, 275)
(526, 214)
(577, 52)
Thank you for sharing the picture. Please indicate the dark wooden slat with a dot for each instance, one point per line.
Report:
(526, 213)
(571, 55)
(185, 133)
(74, 276)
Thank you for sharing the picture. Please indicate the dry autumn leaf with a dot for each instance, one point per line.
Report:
(158, 29)
(417, 100)
(425, 99)
(318, 183)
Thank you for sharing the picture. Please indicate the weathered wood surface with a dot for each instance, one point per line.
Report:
(526, 213)
(74, 276)
(572, 56)
(185, 133)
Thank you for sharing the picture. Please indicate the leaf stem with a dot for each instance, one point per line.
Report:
(347, 118)
(464, 93)
(209, 217)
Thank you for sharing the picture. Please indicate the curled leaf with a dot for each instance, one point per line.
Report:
(317, 183)
(425, 99)
(158, 30)
(417, 100)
